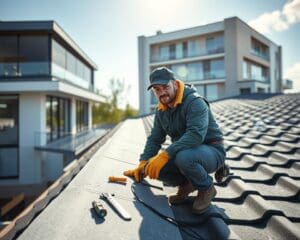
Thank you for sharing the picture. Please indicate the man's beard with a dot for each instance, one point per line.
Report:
(165, 99)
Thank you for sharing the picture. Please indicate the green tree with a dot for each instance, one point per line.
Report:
(109, 111)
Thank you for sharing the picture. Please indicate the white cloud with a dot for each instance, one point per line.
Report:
(293, 73)
(278, 20)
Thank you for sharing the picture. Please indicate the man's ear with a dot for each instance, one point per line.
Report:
(176, 85)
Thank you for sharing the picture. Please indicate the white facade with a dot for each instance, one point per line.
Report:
(221, 59)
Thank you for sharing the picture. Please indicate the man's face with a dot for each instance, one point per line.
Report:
(165, 93)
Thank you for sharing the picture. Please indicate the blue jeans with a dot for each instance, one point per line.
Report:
(194, 165)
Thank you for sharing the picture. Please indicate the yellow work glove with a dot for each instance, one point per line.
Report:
(155, 164)
(136, 173)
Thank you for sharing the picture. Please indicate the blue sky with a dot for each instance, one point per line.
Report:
(107, 30)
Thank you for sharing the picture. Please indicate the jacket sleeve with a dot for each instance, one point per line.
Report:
(197, 117)
(154, 141)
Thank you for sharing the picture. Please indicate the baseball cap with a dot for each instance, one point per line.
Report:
(161, 75)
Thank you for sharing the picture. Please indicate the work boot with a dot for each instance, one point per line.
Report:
(182, 194)
(203, 200)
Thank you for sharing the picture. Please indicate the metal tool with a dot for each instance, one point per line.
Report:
(113, 202)
(100, 210)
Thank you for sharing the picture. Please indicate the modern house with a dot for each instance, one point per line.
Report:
(221, 59)
(47, 89)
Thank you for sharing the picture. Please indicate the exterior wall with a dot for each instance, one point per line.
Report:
(73, 115)
(32, 120)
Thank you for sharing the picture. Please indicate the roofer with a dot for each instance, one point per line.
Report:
(197, 142)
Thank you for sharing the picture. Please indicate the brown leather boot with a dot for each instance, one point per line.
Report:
(203, 200)
(182, 194)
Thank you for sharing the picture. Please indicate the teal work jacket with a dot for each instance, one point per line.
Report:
(189, 124)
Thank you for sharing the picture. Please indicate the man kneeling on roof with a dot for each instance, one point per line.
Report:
(197, 142)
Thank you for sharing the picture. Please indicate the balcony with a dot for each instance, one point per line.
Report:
(262, 55)
(186, 54)
(71, 143)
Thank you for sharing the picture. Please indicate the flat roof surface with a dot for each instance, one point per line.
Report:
(260, 200)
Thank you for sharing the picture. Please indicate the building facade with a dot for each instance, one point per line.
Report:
(46, 94)
(221, 59)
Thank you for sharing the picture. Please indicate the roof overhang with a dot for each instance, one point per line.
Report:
(50, 87)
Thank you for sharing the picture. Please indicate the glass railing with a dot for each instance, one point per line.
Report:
(157, 58)
(260, 54)
(61, 73)
(71, 142)
(15, 69)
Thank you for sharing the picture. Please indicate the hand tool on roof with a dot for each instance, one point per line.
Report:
(100, 210)
(113, 202)
(117, 179)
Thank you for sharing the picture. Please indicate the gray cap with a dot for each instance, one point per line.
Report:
(161, 75)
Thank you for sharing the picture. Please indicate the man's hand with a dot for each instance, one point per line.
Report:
(155, 164)
(136, 173)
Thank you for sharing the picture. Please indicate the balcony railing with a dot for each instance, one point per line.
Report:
(186, 54)
(71, 143)
(260, 54)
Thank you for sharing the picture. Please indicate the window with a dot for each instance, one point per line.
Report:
(57, 117)
(214, 69)
(180, 71)
(245, 90)
(179, 50)
(164, 53)
(217, 69)
(81, 116)
(58, 54)
(34, 55)
(9, 137)
(215, 44)
(9, 56)
(195, 71)
(193, 48)
(255, 71)
(259, 49)
(261, 90)
(212, 92)
(200, 90)
(172, 51)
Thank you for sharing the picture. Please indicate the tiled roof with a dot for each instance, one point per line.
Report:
(259, 200)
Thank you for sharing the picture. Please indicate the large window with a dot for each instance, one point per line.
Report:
(212, 92)
(195, 71)
(217, 68)
(9, 56)
(193, 48)
(254, 71)
(9, 140)
(66, 65)
(81, 116)
(34, 55)
(209, 91)
(215, 44)
(164, 53)
(259, 49)
(200, 70)
(57, 117)
(180, 71)
(24, 55)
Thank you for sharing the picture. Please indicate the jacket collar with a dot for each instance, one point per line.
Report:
(178, 98)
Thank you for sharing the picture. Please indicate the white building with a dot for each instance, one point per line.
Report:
(46, 95)
(221, 59)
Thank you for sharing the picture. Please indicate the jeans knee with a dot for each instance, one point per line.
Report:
(183, 160)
